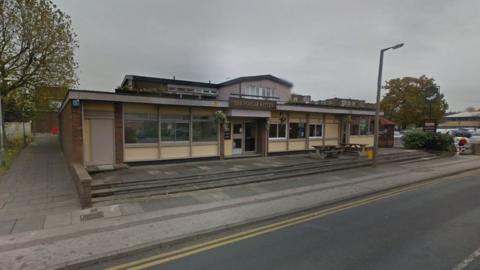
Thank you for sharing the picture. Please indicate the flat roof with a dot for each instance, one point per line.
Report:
(464, 115)
(151, 99)
(166, 81)
(205, 84)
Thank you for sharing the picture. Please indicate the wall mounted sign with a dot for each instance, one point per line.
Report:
(75, 103)
(227, 133)
(252, 104)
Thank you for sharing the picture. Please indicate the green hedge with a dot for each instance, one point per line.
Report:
(419, 139)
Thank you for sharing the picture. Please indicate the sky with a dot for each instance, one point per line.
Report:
(325, 48)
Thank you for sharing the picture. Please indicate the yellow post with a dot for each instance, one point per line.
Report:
(370, 154)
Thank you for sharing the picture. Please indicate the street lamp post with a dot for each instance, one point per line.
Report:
(377, 105)
(2, 143)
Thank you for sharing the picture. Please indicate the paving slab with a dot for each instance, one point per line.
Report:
(37, 184)
(30, 223)
(168, 202)
(131, 208)
(58, 220)
(6, 226)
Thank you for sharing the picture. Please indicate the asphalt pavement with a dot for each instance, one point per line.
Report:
(434, 227)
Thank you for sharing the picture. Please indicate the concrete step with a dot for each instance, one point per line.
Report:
(229, 174)
(181, 184)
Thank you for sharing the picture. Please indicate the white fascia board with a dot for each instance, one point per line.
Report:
(85, 95)
(325, 110)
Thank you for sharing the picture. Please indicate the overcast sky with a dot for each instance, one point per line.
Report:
(326, 48)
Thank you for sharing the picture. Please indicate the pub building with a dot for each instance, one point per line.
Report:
(155, 119)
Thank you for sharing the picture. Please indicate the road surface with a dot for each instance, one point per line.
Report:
(436, 226)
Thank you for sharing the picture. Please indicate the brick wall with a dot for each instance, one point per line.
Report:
(71, 132)
(118, 133)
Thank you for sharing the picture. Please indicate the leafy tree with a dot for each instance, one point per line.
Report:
(405, 102)
(37, 46)
(19, 106)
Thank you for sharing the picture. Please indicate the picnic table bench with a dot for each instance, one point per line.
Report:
(355, 148)
(324, 151)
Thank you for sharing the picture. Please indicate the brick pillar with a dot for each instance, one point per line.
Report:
(77, 134)
(222, 141)
(118, 132)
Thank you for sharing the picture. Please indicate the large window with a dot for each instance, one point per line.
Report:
(258, 92)
(360, 125)
(315, 130)
(277, 131)
(297, 130)
(174, 128)
(204, 129)
(141, 128)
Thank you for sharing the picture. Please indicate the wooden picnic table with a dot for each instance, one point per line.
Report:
(353, 147)
(324, 151)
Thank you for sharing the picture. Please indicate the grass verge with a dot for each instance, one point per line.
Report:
(11, 152)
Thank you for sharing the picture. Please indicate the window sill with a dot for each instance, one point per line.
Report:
(277, 139)
(316, 137)
(179, 143)
(297, 139)
(205, 143)
(140, 145)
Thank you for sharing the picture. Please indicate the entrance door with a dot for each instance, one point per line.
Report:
(237, 138)
(244, 138)
(250, 137)
(345, 130)
(102, 141)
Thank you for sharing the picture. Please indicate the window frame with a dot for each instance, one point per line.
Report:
(175, 119)
(277, 128)
(357, 120)
(304, 130)
(316, 125)
(140, 116)
(197, 119)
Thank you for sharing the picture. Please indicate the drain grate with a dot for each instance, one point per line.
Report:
(91, 216)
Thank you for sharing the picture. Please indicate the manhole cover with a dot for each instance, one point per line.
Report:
(91, 216)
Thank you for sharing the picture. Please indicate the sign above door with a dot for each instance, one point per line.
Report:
(252, 104)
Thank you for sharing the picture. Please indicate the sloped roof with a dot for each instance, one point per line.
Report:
(464, 115)
(386, 122)
(256, 78)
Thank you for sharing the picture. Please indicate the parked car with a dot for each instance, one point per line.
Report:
(461, 132)
(397, 134)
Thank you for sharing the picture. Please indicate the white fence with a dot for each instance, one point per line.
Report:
(14, 130)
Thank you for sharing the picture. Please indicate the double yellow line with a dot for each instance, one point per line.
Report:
(187, 251)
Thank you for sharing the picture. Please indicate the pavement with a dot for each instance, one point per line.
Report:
(36, 188)
(433, 227)
(102, 232)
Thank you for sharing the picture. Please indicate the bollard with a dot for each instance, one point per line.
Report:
(370, 154)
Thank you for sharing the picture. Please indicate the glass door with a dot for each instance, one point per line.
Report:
(250, 137)
(237, 138)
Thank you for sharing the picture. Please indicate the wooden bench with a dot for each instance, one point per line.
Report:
(355, 148)
(324, 151)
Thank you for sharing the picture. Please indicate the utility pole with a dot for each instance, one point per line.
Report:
(2, 143)
(377, 105)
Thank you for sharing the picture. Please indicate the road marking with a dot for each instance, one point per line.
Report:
(464, 264)
(222, 241)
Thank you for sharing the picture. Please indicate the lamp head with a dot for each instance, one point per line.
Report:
(397, 46)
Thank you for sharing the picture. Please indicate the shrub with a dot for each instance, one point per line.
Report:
(419, 139)
(415, 139)
(440, 142)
